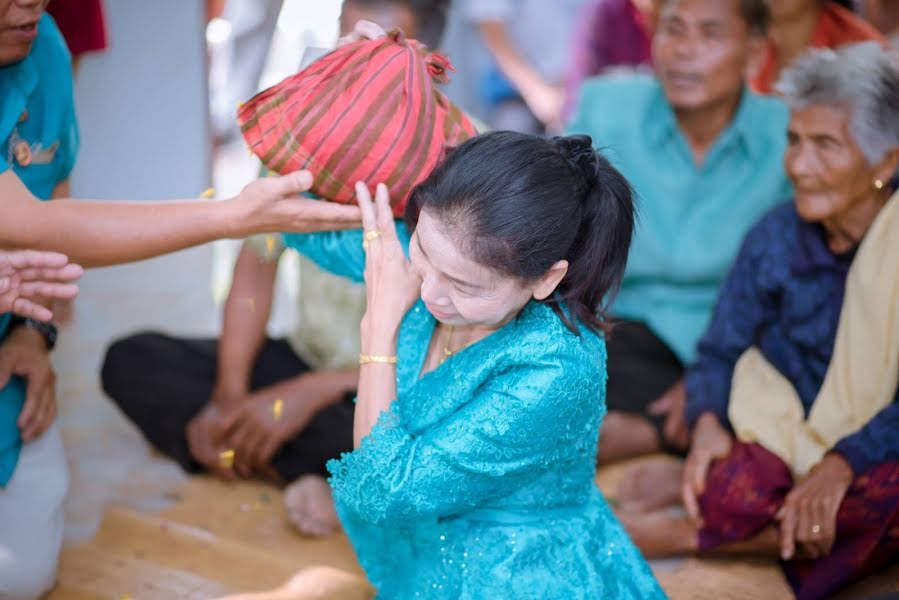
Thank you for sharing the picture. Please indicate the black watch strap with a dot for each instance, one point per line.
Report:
(46, 329)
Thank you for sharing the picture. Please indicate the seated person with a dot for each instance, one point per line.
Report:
(703, 154)
(38, 129)
(610, 34)
(247, 404)
(797, 25)
(793, 402)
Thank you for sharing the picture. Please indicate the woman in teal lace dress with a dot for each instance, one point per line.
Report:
(483, 376)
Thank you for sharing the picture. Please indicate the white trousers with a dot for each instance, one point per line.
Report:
(31, 519)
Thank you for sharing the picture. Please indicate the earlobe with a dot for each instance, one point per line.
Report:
(886, 170)
(550, 280)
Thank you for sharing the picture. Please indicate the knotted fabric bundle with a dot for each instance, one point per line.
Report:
(369, 111)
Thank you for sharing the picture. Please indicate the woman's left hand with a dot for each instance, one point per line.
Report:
(391, 285)
(809, 514)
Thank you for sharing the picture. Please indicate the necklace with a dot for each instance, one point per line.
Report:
(447, 351)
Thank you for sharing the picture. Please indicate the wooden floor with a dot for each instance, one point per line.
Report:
(224, 538)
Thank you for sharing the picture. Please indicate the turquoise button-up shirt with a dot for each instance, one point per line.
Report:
(692, 218)
(37, 113)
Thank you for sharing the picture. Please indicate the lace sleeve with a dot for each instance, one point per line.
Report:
(498, 441)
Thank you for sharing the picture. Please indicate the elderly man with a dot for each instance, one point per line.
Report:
(703, 153)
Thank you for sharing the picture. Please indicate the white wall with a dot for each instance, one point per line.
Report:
(142, 104)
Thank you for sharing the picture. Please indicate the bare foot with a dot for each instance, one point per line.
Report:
(310, 506)
(316, 583)
(650, 485)
(662, 534)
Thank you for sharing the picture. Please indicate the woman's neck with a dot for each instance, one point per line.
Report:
(845, 231)
(793, 34)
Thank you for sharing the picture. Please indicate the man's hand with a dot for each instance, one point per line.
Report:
(28, 275)
(204, 439)
(268, 418)
(672, 404)
(273, 204)
(546, 102)
(711, 441)
(24, 353)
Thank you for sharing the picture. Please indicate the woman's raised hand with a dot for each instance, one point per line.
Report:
(392, 286)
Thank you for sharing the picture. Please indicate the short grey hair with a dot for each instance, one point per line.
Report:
(863, 77)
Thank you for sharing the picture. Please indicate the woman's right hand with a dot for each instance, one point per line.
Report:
(273, 204)
(711, 441)
(392, 286)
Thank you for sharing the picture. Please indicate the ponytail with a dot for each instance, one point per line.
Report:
(599, 253)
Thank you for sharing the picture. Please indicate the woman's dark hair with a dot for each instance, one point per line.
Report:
(523, 203)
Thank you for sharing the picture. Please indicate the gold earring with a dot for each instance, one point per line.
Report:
(878, 184)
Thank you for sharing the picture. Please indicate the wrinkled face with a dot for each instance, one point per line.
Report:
(389, 16)
(782, 10)
(701, 50)
(458, 290)
(828, 170)
(18, 28)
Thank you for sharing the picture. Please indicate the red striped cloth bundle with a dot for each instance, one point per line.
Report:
(368, 111)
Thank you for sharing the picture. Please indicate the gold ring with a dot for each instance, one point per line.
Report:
(277, 409)
(369, 236)
(226, 459)
(816, 529)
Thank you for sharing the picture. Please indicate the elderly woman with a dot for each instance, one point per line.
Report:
(793, 400)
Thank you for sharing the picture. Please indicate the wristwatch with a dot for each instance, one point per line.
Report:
(46, 329)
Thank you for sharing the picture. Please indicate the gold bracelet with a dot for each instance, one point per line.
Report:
(365, 359)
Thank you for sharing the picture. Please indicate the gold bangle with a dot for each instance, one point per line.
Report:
(365, 359)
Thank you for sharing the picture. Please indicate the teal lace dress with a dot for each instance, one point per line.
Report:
(478, 483)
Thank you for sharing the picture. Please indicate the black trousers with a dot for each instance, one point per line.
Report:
(161, 383)
(641, 368)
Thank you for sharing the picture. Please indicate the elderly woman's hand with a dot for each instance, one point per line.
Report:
(711, 441)
(392, 286)
(27, 275)
(809, 514)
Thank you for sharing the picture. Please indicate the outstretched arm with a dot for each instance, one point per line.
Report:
(95, 233)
